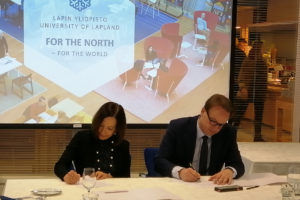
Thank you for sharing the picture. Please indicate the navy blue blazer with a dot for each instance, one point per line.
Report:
(178, 146)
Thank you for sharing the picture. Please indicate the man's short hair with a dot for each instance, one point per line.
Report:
(218, 100)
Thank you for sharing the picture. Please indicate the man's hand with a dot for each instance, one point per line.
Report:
(72, 177)
(102, 175)
(223, 177)
(189, 175)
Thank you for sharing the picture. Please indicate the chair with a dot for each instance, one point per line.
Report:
(163, 47)
(178, 70)
(149, 155)
(164, 84)
(223, 41)
(170, 31)
(130, 76)
(21, 83)
(155, 6)
(168, 81)
(212, 21)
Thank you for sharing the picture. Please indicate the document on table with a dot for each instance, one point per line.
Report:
(138, 194)
(246, 180)
(260, 179)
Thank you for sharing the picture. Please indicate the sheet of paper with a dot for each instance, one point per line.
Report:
(260, 179)
(246, 180)
(138, 194)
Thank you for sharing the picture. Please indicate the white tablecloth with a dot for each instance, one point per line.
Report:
(275, 157)
(150, 188)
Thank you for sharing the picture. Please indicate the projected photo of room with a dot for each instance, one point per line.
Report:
(159, 59)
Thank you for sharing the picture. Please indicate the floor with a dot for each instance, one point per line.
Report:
(246, 133)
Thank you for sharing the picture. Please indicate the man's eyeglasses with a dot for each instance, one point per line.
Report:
(213, 122)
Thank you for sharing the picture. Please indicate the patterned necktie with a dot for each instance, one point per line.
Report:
(203, 156)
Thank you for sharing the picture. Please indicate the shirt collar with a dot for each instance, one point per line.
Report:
(200, 133)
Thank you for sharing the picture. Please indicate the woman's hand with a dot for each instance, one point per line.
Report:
(101, 175)
(71, 177)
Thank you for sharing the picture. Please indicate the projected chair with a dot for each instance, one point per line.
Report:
(149, 154)
(211, 21)
(223, 41)
(21, 84)
(130, 76)
(170, 31)
(163, 47)
(154, 4)
(168, 81)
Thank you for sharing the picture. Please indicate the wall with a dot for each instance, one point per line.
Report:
(35, 151)
(280, 10)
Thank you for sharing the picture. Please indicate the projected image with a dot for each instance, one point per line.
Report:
(61, 60)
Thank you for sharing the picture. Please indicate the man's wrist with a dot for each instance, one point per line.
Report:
(175, 171)
(234, 172)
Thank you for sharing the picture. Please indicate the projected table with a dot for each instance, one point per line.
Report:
(68, 106)
(8, 63)
(275, 157)
(19, 2)
(137, 189)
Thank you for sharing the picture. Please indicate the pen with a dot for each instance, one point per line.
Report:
(191, 166)
(73, 165)
(117, 191)
(252, 187)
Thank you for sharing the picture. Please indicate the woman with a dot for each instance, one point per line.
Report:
(103, 147)
(151, 55)
(3, 45)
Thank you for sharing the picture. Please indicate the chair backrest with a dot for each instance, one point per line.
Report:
(165, 82)
(178, 70)
(130, 76)
(149, 154)
(22, 80)
(171, 32)
(170, 29)
(163, 47)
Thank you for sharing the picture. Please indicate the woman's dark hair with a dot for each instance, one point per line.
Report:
(110, 109)
(218, 100)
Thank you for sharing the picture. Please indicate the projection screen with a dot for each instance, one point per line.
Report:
(62, 59)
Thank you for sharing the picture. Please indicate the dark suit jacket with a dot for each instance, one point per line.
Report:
(178, 145)
(82, 150)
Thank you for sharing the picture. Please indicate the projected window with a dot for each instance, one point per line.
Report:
(61, 60)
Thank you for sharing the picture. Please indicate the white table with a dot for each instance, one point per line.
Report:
(152, 73)
(150, 188)
(68, 106)
(8, 63)
(275, 157)
(19, 2)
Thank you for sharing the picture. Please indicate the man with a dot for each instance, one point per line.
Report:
(33, 110)
(201, 31)
(3, 45)
(240, 55)
(202, 25)
(181, 154)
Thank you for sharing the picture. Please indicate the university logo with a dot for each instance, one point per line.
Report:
(80, 4)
